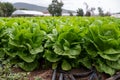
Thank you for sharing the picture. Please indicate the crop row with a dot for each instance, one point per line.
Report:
(66, 42)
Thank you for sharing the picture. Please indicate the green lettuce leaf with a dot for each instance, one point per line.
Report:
(28, 66)
(36, 50)
(50, 56)
(102, 67)
(26, 56)
(65, 65)
(114, 64)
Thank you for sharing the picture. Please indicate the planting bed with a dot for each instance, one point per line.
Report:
(69, 44)
(47, 74)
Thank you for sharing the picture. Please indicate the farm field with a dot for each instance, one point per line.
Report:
(70, 45)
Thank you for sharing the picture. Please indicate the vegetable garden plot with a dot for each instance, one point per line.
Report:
(61, 43)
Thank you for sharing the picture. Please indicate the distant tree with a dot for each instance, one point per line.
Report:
(55, 8)
(1, 11)
(107, 14)
(101, 13)
(6, 9)
(92, 9)
(88, 11)
(70, 13)
(80, 12)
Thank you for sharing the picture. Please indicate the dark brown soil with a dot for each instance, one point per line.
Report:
(47, 74)
(44, 74)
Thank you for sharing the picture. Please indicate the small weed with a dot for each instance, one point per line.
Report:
(6, 72)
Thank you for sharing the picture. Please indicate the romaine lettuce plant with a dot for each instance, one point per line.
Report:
(103, 45)
(25, 45)
(63, 47)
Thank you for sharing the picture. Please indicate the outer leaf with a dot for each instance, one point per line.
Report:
(36, 50)
(86, 62)
(54, 65)
(111, 57)
(65, 65)
(111, 51)
(114, 64)
(28, 66)
(51, 56)
(26, 57)
(2, 54)
(73, 52)
(11, 54)
(102, 67)
(13, 43)
(58, 49)
(91, 50)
